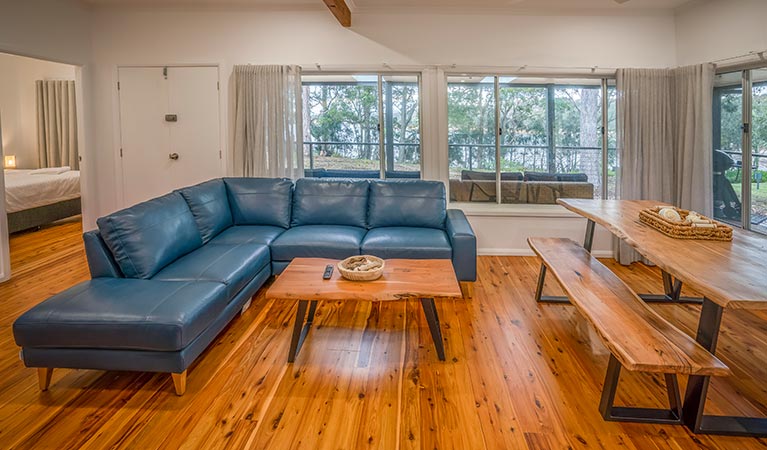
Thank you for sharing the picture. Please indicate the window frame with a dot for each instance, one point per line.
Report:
(606, 82)
(380, 75)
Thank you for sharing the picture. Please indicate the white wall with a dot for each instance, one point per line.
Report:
(18, 103)
(125, 36)
(708, 30)
(56, 30)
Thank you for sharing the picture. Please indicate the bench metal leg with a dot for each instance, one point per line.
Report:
(301, 329)
(588, 240)
(673, 415)
(430, 311)
(697, 388)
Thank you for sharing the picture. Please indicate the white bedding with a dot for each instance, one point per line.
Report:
(26, 191)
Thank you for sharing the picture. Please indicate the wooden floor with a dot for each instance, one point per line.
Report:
(518, 375)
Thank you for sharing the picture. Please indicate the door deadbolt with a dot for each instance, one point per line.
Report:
(171, 118)
(173, 156)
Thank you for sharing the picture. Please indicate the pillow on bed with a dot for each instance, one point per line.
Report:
(50, 170)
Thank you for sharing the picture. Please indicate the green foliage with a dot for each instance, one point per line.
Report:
(524, 121)
(345, 116)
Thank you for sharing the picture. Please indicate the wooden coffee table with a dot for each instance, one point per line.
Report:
(402, 279)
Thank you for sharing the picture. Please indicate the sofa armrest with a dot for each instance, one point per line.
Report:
(100, 260)
(464, 244)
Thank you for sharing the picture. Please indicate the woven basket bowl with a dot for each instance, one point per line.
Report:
(676, 230)
(369, 275)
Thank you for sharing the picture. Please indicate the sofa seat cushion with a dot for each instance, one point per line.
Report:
(123, 313)
(232, 265)
(248, 234)
(407, 243)
(147, 237)
(318, 241)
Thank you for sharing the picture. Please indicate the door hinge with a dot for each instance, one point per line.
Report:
(121, 152)
(118, 85)
(218, 85)
(220, 154)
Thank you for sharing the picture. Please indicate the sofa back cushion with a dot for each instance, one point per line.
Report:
(210, 207)
(260, 201)
(330, 202)
(415, 203)
(490, 176)
(573, 177)
(147, 237)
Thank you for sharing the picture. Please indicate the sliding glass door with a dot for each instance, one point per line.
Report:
(758, 191)
(740, 148)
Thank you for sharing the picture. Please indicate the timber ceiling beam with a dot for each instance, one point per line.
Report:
(341, 11)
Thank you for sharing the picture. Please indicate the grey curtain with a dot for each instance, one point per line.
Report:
(268, 139)
(57, 124)
(664, 139)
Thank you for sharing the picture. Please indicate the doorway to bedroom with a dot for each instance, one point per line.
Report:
(41, 159)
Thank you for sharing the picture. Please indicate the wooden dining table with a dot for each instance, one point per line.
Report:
(728, 274)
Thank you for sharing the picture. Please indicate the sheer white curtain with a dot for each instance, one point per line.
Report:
(57, 124)
(268, 139)
(664, 139)
(693, 100)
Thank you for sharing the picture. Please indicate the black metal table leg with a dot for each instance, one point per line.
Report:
(300, 329)
(588, 239)
(697, 387)
(430, 311)
(672, 290)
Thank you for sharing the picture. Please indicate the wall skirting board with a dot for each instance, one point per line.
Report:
(506, 231)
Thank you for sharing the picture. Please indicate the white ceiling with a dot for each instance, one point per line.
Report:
(546, 6)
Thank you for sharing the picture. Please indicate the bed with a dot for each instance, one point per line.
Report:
(32, 200)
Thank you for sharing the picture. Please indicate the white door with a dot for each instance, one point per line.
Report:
(169, 127)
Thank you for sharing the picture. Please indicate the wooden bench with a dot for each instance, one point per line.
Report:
(638, 338)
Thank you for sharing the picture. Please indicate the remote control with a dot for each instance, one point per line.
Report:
(328, 272)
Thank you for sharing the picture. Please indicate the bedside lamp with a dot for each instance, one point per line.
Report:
(9, 161)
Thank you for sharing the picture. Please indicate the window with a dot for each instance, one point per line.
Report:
(740, 148)
(548, 141)
(362, 126)
(472, 137)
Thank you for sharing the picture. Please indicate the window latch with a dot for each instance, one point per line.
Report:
(746, 128)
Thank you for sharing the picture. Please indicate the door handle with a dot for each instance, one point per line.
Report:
(173, 156)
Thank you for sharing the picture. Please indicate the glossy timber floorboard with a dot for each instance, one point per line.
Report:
(518, 375)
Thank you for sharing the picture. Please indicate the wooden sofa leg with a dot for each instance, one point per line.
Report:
(179, 382)
(44, 377)
(467, 289)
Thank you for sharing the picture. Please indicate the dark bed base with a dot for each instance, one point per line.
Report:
(42, 215)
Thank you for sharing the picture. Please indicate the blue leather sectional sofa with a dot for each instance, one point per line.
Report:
(170, 273)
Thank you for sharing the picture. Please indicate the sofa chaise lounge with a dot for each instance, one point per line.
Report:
(169, 274)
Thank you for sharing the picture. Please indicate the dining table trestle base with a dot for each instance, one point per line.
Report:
(697, 387)
(672, 288)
